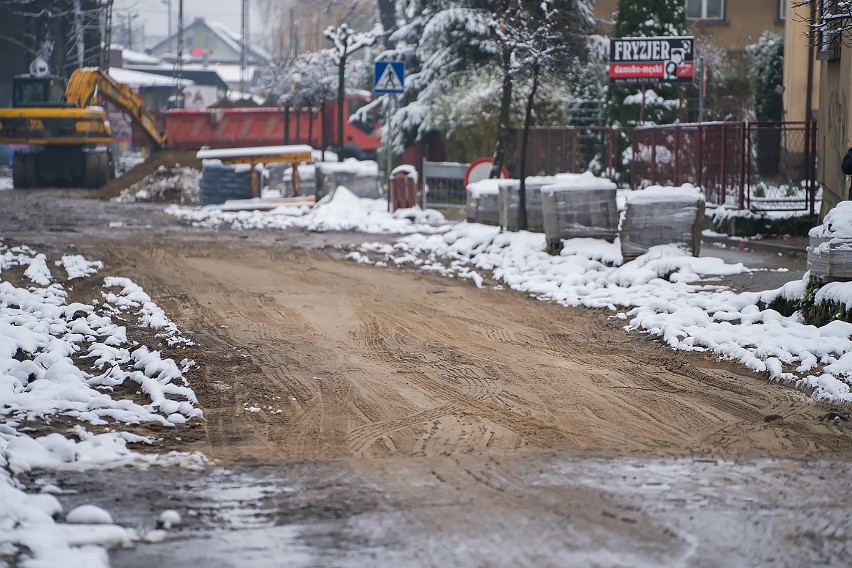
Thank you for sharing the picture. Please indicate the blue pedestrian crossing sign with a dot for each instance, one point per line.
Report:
(389, 77)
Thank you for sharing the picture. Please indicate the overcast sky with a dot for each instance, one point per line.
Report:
(154, 13)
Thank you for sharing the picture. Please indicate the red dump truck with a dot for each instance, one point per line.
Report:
(270, 126)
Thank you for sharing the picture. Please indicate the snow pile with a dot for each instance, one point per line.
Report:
(837, 224)
(76, 266)
(664, 292)
(339, 211)
(166, 185)
(5, 179)
(69, 358)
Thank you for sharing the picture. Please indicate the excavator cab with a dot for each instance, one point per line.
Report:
(29, 91)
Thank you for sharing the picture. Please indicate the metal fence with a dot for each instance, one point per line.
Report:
(765, 166)
(570, 149)
(443, 184)
(762, 166)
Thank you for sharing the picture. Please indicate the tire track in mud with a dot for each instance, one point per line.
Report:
(366, 362)
(472, 384)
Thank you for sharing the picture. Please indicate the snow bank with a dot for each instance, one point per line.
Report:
(61, 358)
(342, 210)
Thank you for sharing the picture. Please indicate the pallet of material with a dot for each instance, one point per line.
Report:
(483, 202)
(662, 215)
(579, 206)
(830, 249)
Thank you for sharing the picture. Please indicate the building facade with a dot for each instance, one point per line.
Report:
(731, 24)
(801, 71)
(834, 121)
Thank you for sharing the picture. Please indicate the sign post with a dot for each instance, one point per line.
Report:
(649, 60)
(389, 79)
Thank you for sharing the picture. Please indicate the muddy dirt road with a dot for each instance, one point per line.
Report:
(366, 416)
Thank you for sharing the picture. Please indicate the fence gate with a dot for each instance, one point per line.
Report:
(762, 166)
(443, 184)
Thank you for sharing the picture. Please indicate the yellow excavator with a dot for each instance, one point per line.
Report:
(65, 139)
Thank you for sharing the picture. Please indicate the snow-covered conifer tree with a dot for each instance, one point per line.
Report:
(646, 18)
(768, 63)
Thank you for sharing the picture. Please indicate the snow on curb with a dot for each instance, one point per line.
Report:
(61, 358)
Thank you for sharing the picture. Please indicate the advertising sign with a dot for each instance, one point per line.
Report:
(651, 60)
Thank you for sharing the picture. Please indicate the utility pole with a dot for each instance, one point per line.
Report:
(243, 41)
(106, 35)
(178, 70)
(168, 4)
(129, 17)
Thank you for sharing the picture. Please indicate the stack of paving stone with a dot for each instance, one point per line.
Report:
(662, 215)
(359, 177)
(830, 249)
(220, 183)
(509, 200)
(483, 202)
(275, 177)
(579, 205)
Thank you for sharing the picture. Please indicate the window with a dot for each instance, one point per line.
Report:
(41, 91)
(705, 9)
(782, 9)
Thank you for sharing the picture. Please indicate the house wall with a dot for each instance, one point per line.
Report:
(833, 128)
(744, 21)
(796, 54)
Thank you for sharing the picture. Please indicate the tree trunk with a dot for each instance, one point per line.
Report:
(522, 190)
(387, 15)
(503, 125)
(341, 100)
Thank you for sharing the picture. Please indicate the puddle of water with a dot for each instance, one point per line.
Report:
(514, 510)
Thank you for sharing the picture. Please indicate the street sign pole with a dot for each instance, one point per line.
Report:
(389, 79)
(701, 84)
(389, 147)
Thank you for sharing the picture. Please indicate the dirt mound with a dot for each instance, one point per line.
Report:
(166, 185)
(137, 173)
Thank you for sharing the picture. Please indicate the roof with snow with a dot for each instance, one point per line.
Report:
(141, 79)
(198, 76)
(213, 42)
(131, 57)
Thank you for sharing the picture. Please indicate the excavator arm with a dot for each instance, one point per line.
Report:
(88, 82)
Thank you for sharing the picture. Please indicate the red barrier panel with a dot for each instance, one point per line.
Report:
(403, 192)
